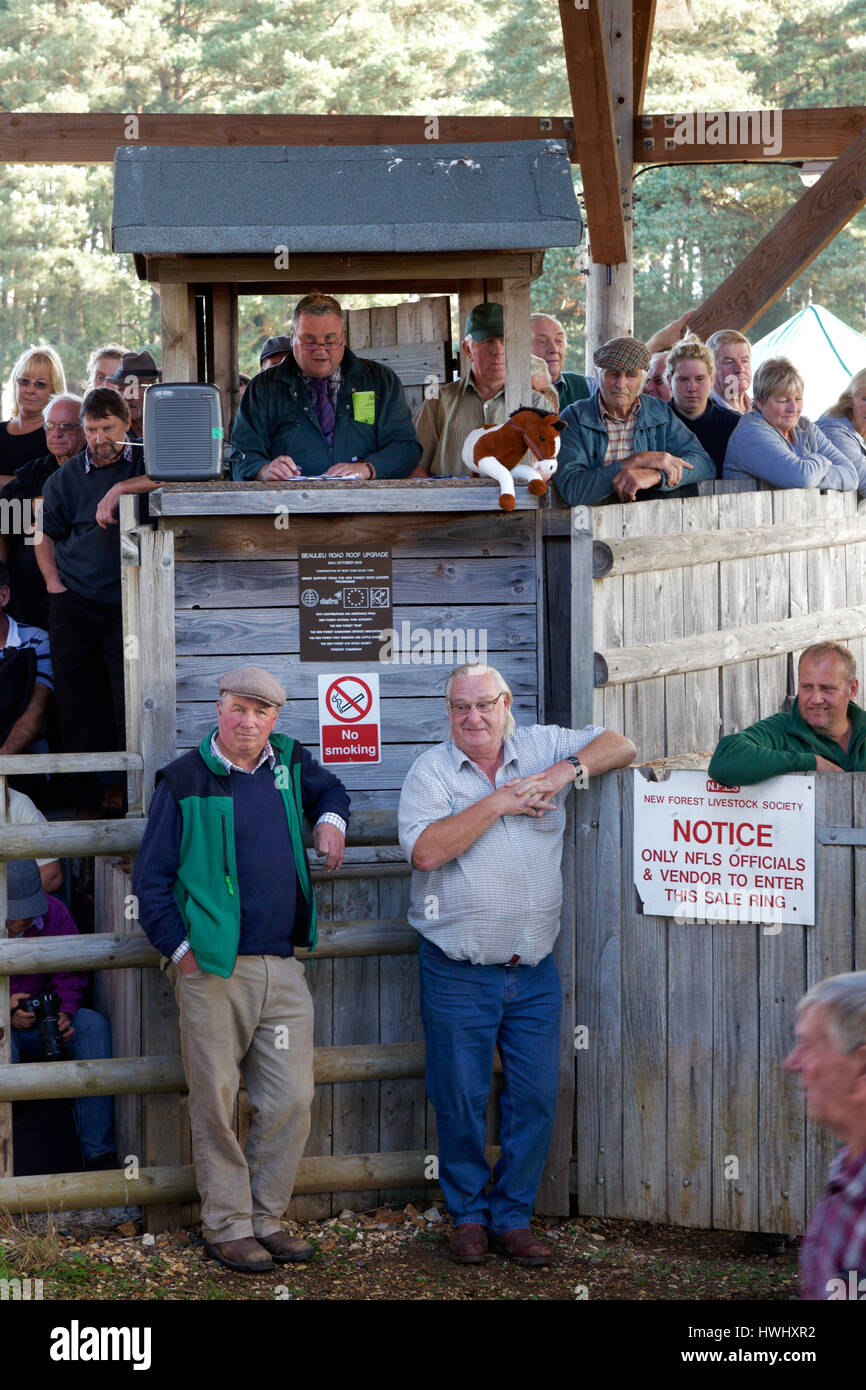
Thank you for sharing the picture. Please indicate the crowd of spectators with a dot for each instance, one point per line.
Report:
(651, 419)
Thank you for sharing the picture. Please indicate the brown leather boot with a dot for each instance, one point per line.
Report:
(521, 1246)
(286, 1249)
(469, 1244)
(246, 1255)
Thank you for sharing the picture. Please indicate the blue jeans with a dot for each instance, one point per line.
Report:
(94, 1117)
(467, 1011)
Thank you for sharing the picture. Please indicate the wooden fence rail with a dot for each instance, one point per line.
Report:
(706, 650)
(156, 1186)
(640, 554)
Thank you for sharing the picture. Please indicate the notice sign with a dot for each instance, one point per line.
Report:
(345, 602)
(707, 853)
(349, 719)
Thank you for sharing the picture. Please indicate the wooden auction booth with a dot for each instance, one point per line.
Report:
(217, 582)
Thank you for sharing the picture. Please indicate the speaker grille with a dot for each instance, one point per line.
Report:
(179, 425)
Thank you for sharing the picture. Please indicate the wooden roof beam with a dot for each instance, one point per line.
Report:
(643, 23)
(729, 137)
(70, 138)
(592, 104)
(786, 251)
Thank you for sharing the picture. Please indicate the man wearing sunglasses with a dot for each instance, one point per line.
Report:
(481, 821)
(322, 411)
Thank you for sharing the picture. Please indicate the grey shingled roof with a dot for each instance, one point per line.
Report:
(399, 198)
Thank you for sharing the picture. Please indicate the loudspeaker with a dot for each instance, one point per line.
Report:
(183, 432)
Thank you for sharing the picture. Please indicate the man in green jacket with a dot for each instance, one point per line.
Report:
(224, 892)
(323, 412)
(824, 732)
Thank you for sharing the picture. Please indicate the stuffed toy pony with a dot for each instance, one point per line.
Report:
(496, 450)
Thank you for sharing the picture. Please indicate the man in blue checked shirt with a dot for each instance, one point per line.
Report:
(481, 821)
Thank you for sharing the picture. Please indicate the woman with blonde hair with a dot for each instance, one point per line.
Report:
(845, 424)
(36, 377)
(775, 444)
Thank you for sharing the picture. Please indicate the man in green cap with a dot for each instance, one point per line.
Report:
(473, 401)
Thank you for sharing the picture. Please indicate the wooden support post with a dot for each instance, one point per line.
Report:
(599, 77)
(224, 341)
(470, 293)
(178, 332)
(515, 303)
(610, 286)
(6, 1164)
(165, 1137)
(644, 16)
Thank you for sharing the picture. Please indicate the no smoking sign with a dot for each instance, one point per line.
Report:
(349, 719)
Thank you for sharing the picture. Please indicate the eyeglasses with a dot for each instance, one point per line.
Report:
(332, 340)
(51, 428)
(482, 706)
(38, 385)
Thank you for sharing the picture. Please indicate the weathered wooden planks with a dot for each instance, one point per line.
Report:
(421, 535)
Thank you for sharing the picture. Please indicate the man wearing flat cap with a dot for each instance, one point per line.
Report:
(137, 371)
(473, 401)
(224, 892)
(621, 445)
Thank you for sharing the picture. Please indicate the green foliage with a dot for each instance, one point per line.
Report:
(59, 281)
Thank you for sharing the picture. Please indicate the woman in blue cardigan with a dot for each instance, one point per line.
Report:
(776, 443)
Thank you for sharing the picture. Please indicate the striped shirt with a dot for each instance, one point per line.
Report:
(835, 1243)
(445, 420)
(503, 895)
(19, 635)
(620, 433)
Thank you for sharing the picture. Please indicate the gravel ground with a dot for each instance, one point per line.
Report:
(397, 1253)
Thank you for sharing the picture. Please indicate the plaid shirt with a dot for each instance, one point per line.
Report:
(834, 1247)
(268, 755)
(620, 433)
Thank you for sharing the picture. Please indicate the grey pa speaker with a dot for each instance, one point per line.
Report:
(183, 432)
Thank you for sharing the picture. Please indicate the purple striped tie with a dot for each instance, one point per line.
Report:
(324, 409)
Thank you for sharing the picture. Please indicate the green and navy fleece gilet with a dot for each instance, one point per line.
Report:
(222, 862)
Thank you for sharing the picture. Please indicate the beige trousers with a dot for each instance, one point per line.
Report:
(259, 1022)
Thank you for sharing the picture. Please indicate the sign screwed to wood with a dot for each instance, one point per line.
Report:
(708, 853)
(349, 730)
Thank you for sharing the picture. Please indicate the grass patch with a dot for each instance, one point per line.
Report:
(24, 1250)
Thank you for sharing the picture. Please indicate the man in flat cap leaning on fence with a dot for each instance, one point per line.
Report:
(621, 445)
(224, 890)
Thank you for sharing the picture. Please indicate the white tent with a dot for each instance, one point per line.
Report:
(825, 351)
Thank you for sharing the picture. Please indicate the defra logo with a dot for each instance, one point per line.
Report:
(717, 787)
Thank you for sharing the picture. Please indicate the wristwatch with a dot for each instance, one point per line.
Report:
(576, 764)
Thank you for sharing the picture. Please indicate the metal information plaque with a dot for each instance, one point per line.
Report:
(345, 602)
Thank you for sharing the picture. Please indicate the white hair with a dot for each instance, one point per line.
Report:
(61, 396)
(478, 668)
(843, 998)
